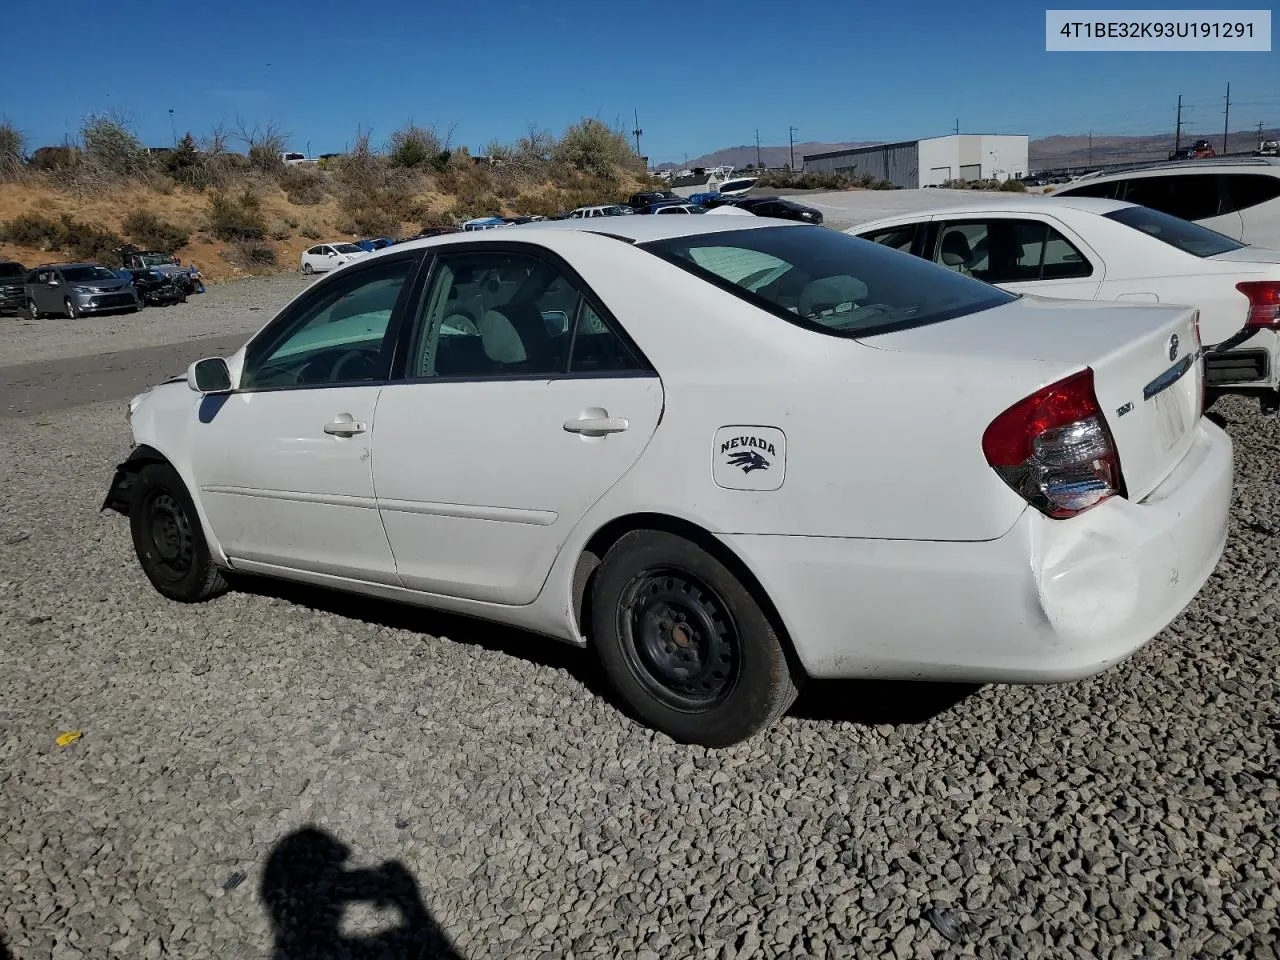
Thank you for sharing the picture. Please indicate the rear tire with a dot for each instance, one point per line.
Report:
(33, 310)
(168, 538)
(308, 269)
(685, 644)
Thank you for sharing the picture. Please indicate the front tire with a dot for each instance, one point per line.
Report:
(168, 538)
(685, 644)
(69, 309)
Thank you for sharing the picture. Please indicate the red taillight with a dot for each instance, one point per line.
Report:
(1264, 302)
(1054, 448)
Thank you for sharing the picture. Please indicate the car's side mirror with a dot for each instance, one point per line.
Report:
(53, 282)
(210, 375)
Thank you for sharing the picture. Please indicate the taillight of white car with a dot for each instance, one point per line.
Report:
(1054, 448)
(1264, 303)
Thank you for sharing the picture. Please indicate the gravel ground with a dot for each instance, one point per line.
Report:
(481, 782)
(228, 308)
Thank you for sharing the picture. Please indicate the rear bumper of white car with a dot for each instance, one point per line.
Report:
(1050, 601)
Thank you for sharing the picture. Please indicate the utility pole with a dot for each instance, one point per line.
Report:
(791, 136)
(637, 131)
(957, 126)
(1259, 134)
(759, 165)
(1177, 130)
(173, 129)
(1091, 148)
(1226, 120)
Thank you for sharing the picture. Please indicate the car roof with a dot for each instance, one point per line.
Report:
(628, 229)
(1098, 206)
(1237, 164)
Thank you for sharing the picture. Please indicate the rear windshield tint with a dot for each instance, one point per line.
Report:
(1186, 236)
(829, 281)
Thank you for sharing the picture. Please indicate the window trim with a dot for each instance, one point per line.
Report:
(1072, 239)
(415, 314)
(306, 300)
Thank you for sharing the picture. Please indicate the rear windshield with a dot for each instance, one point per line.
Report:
(1186, 236)
(829, 281)
(347, 248)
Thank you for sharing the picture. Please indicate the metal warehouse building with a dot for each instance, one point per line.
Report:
(931, 162)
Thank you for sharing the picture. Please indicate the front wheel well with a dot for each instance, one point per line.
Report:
(604, 538)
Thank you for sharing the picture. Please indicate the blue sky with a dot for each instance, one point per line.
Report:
(837, 70)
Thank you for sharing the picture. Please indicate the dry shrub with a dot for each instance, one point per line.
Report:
(13, 148)
(375, 197)
(152, 233)
(303, 187)
(252, 255)
(79, 241)
(236, 218)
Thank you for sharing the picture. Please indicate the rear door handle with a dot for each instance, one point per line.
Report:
(344, 425)
(597, 426)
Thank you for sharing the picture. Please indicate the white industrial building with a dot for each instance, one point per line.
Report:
(931, 162)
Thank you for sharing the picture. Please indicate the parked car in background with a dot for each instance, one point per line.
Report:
(645, 197)
(660, 204)
(13, 286)
(374, 243)
(155, 267)
(1084, 248)
(780, 208)
(679, 208)
(1239, 197)
(606, 210)
(434, 231)
(328, 256)
(78, 289)
(483, 223)
(1028, 492)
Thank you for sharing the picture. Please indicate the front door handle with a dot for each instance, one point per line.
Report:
(344, 425)
(596, 426)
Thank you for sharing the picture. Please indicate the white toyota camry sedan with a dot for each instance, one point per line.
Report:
(728, 454)
(1087, 248)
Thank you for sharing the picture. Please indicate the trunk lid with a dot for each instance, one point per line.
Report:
(1145, 359)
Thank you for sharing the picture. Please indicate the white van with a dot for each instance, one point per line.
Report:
(1236, 196)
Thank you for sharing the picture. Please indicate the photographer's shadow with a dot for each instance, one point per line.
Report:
(307, 887)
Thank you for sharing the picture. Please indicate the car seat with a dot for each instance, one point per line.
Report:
(830, 294)
(956, 254)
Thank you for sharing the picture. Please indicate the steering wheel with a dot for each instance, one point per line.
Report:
(354, 365)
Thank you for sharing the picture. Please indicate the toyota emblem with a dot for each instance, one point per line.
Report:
(1173, 347)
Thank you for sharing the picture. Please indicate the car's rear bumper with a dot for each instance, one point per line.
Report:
(1051, 600)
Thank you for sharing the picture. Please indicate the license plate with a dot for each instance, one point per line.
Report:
(1169, 419)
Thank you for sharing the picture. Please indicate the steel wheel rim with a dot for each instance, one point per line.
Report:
(170, 538)
(679, 639)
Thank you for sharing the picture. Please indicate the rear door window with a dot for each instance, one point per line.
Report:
(1010, 250)
(1245, 190)
(1191, 196)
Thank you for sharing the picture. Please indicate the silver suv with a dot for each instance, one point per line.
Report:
(1236, 196)
(76, 289)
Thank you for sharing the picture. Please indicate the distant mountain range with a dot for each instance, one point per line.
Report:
(1056, 151)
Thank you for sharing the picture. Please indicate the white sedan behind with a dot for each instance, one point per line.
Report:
(1083, 248)
(728, 454)
(329, 256)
